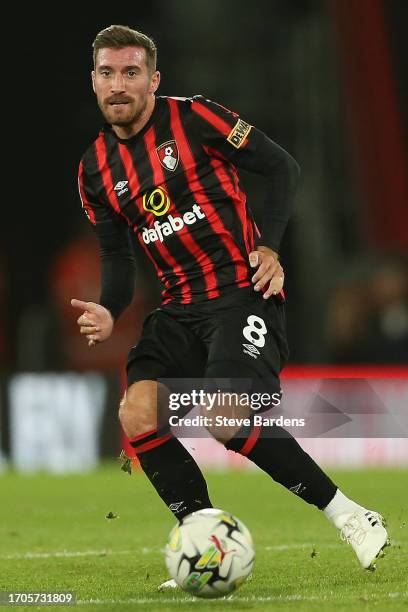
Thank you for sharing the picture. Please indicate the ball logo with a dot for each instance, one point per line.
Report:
(175, 539)
(158, 202)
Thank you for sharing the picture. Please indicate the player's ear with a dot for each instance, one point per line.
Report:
(154, 82)
(93, 80)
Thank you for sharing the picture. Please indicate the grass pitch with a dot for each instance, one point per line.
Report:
(54, 537)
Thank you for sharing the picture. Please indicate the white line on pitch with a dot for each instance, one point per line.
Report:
(146, 551)
(67, 553)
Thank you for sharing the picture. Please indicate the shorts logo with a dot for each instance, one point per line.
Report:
(239, 133)
(251, 350)
(168, 155)
(157, 202)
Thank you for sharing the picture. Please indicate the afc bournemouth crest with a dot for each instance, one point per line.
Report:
(168, 155)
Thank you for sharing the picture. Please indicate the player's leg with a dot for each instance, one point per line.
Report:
(251, 345)
(163, 349)
(276, 452)
(273, 449)
(165, 461)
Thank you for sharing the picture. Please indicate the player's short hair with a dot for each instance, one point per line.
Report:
(119, 36)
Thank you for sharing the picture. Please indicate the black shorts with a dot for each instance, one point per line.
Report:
(237, 335)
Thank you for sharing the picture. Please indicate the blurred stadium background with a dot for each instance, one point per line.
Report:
(325, 79)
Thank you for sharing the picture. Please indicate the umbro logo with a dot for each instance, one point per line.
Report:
(121, 188)
(298, 489)
(176, 506)
(251, 350)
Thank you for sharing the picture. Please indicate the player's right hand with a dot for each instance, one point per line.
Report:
(96, 322)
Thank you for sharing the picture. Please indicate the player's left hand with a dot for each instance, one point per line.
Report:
(270, 273)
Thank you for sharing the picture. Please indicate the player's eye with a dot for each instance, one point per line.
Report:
(105, 73)
(131, 73)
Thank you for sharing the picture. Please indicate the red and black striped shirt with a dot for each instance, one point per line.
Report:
(175, 185)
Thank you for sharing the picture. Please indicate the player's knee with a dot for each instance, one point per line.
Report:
(138, 408)
(226, 418)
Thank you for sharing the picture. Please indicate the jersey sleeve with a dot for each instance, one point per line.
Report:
(96, 212)
(105, 221)
(118, 265)
(223, 133)
(220, 128)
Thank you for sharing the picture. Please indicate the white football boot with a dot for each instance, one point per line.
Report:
(365, 531)
(169, 584)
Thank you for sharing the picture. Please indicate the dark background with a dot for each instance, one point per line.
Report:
(326, 80)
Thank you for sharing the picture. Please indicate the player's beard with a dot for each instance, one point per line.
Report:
(125, 115)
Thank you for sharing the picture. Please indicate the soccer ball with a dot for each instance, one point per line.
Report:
(210, 553)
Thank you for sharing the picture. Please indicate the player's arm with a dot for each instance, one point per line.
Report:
(117, 268)
(262, 155)
(223, 133)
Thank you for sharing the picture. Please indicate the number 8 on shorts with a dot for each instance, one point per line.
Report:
(255, 331)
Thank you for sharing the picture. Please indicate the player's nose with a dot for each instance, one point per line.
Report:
(118, 83)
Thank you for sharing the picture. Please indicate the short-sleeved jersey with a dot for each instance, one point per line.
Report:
(175, 184)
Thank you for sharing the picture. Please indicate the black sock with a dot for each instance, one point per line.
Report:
(173, 472)
(277, 452)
